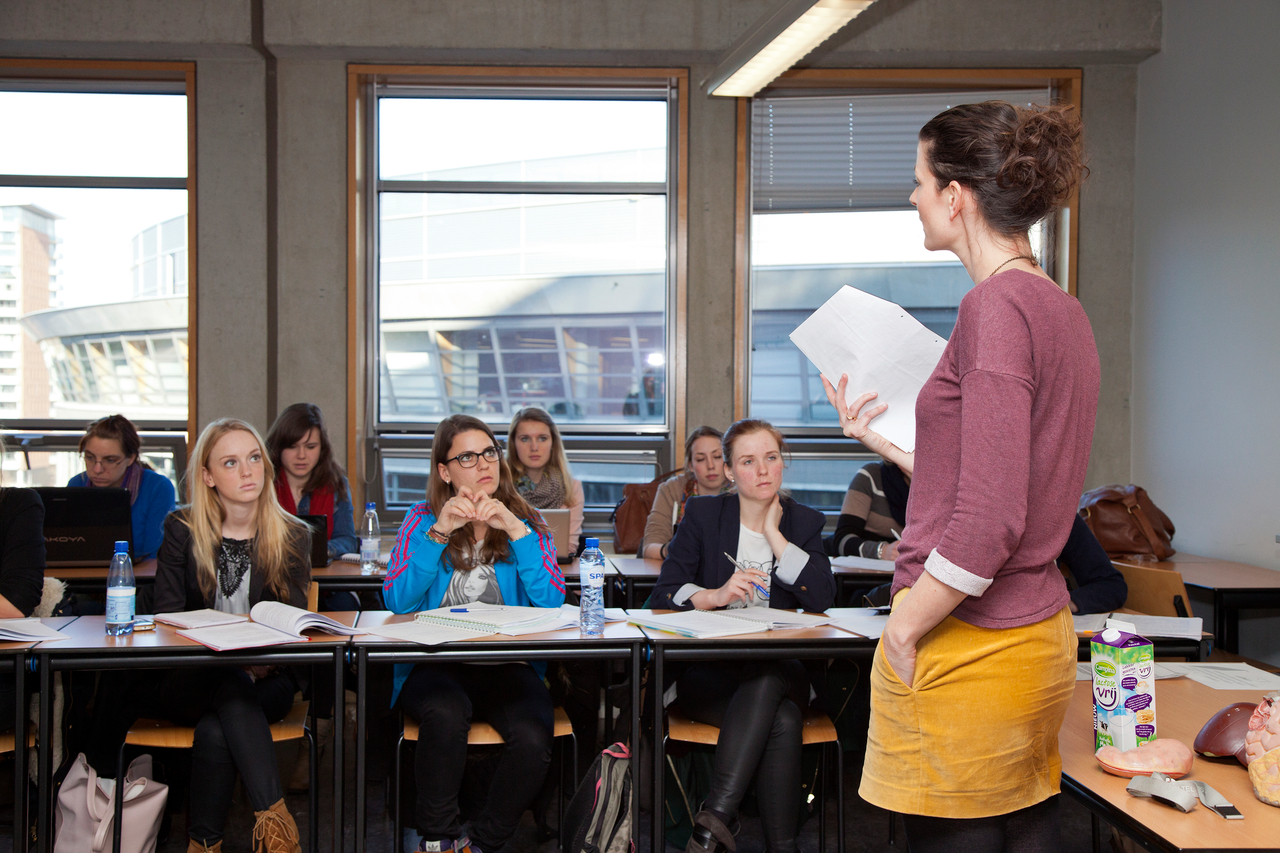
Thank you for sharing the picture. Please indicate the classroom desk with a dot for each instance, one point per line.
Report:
(91, 579)
(822, 642)
(341, 576)
(1182, 708)
(89, 648)
(633, 570)
(859, 573)
(1234, 587)
(13, 665)
(620, 642)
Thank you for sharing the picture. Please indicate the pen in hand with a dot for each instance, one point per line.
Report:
(738, 567)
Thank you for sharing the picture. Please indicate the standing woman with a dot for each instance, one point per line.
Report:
(110, 448)
(231, 548)
(976, 665)
(540, 467)
(758, 705)
(309, 481)
(474, 539)
(703, 475)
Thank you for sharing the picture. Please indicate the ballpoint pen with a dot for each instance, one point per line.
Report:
(741, 568)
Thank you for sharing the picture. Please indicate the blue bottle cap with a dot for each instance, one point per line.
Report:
(593, 543)
(122, 547)
(371, 505)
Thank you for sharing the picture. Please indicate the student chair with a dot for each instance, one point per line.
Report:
(483, 734)
(818, 728)
(1154, 591)
(161, 734)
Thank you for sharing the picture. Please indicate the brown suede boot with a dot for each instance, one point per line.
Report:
(194, 846)
(274, 831)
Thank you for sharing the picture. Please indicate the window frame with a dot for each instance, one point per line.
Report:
(1063, 83)
(129, 77)
(369, 436)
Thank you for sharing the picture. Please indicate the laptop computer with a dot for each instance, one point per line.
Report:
(319, 525)
(558, 521)
(82, 525)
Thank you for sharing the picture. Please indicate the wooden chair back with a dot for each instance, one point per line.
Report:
(1155, 592)
(313, 597)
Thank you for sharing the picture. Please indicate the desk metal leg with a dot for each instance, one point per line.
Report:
(20, 724)
(1226, 623)
(362, 667)
(339, 728)
(44, 816)
(658, 839)
(635, 746)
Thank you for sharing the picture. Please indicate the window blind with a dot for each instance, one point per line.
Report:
(847, 152)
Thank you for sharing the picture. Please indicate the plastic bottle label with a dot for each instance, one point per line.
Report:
(120, 604)
(368, 550)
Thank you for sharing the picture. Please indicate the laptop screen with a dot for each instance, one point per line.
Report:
(81, 526)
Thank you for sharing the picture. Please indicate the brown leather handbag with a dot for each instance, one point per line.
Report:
(632, 512)
(1127, 522)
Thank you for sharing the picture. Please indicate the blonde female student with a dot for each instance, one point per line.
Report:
(540, 467)
(231, 548)
(473, 539)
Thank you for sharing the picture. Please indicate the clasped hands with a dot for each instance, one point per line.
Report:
(467, 506)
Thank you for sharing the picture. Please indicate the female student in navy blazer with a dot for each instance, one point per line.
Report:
(753, 548)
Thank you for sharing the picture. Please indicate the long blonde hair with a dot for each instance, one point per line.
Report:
(276, 541)
(496, 547)
(558, 463)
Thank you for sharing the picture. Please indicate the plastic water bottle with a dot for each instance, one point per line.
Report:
(370, 540)
(122, 595)
(591, 565)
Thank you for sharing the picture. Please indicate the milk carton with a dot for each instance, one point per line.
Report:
(1124, 690)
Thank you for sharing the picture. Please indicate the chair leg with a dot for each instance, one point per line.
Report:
(839, 797)
(396, 829)
(820, 782)
(313, 819)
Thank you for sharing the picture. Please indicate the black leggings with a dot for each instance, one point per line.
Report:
(759, 709)
(444, 699)
(231, 713)
(1034, 829)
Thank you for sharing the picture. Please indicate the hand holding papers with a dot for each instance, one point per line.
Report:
(881, 347)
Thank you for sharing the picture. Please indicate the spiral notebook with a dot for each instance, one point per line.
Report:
(709, 624)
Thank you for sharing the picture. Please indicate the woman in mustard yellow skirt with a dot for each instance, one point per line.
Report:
(976, 664)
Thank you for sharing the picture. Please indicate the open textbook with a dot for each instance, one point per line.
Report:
(27, 630)
(882, 348)
(709, 624)
(269, 623)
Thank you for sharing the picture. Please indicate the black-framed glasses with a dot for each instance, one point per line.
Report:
(91, 461)
(470, 460)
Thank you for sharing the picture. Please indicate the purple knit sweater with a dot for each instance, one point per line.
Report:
(1003, 430)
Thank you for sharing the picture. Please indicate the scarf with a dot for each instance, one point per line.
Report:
(321, 501)
(132, 481)
(547, 494)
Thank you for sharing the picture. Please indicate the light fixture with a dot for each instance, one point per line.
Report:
(779, 42)
(656, 359)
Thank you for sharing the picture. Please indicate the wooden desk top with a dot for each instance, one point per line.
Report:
(1211, 573)
(1182, 708)
(637, 567)
(145, 570)
(376, 618)
(344, 569)
(88, 633)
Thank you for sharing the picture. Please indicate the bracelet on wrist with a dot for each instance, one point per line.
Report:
(436, 536)
(880, 551)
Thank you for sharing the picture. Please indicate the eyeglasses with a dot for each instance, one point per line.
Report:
(470, 460)
(91, 461)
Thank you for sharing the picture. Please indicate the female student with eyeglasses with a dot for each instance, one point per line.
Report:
(110, 447)
(474, 539)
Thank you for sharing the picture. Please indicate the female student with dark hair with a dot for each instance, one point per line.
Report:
(535, 454)
(309, 481)
(703, 475)
(1003, 430)
(231, 548)
(474, 539)
(758, 705)
(21, 568)
(110, 447)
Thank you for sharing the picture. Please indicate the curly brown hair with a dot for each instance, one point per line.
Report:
(1021, 163)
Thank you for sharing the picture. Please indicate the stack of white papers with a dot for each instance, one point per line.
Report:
(508, 619)
(27, 631)
(430, 633)
(1225, 676)
(868, 622)
(1174, 627)
(882, 348)
(709, 624)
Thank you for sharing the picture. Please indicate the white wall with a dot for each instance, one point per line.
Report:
(1206, 307)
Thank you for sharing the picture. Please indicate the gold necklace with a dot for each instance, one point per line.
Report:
(1031, 258)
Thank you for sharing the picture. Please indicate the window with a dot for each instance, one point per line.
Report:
(95, 163)
(521, 245)
(830, 179)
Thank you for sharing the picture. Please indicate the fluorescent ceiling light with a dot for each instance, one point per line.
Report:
(779, 42)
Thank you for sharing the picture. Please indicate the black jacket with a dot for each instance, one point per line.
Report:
(178, 586)
(710, 530)
(21, 548)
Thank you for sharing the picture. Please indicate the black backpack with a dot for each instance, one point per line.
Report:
(598, 819)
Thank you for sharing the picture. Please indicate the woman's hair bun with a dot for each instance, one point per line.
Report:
(1022, 163)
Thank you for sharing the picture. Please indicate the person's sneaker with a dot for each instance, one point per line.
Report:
(457, 845)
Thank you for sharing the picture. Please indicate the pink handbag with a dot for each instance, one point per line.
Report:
(86, 809)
